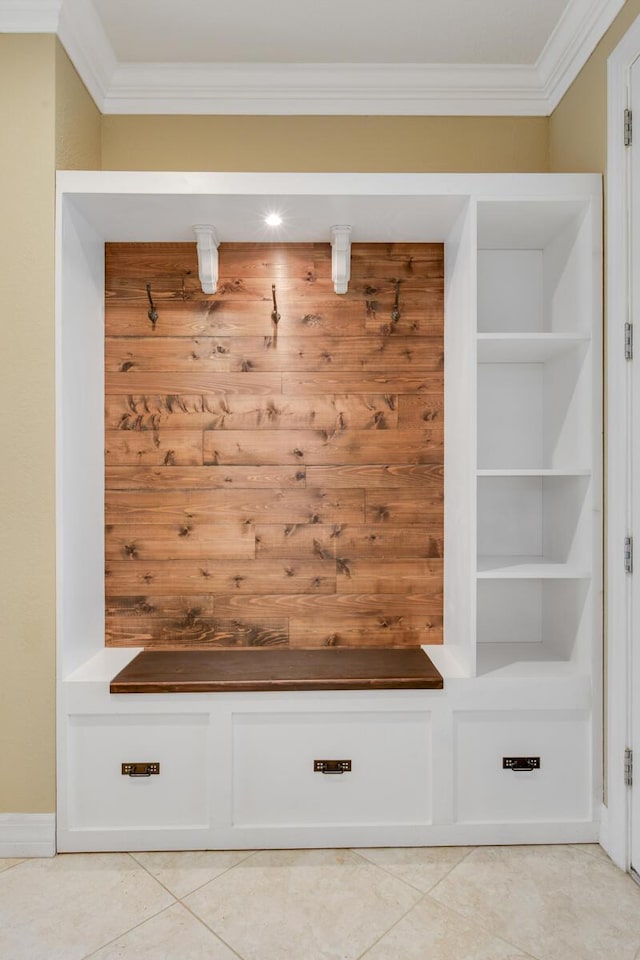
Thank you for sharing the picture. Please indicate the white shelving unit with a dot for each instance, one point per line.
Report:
(521, 658)
(538, 476)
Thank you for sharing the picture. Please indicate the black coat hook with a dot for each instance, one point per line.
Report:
(152, 313)
(275, 316)
(395, 313)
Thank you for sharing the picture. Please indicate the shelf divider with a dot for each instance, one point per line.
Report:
(528, 568)
(526, 347)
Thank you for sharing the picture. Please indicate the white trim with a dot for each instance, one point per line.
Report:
(616, 837)
(324, 88)
(314, 837)
(577, 33)
(82, 35)
(29, 16)
(320, 88)
(27, 835)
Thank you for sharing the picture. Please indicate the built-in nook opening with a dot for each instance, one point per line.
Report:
(273, 484)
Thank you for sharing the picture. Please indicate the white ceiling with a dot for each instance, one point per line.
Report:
(333, 31)
(389, 57)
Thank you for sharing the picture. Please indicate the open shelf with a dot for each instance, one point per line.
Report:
(534, 526)
(535, 472)
(525, 347)
(527, 568)
(520, 660)
(534, 266)
(536, 414)
(531, 621)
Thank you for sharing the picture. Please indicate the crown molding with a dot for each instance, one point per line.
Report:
(29, 16)
(315, 89)
(82, 35)
(323, 88)
(577, 34)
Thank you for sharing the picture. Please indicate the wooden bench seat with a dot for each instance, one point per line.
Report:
(216, 671)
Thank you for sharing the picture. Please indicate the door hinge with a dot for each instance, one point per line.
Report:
(628, 341)
(628, 554)
(628, 127)
(628, 767)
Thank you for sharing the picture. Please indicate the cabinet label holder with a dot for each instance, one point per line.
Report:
(140, 769)
(521, 764)
(332, 766)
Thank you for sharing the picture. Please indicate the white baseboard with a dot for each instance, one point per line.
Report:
(27, 835)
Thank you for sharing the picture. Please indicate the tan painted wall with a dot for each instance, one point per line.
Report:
(47, 119)
(78, 120)
(578, 125)
(27, 64)
(367, 144)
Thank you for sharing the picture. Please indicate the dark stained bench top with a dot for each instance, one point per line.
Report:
(219, 671)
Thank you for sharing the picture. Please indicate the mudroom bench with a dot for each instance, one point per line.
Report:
(233, 671)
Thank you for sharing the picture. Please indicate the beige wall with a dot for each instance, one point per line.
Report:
(578, 125)
(378, 144)
(78, 120)
(27, 65)
(47, 119)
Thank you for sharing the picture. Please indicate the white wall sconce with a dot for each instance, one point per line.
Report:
(207, 247)
(341, 258)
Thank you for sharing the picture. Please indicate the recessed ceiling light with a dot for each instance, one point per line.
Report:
(273, 220)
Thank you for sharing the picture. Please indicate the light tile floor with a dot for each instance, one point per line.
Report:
(448, 903)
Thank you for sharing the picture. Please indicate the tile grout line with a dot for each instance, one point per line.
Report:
(136, 925)
(186, 906)
(12, 866)
(211, 930)
(389, 873)
(408, 882)
(393, 925)
(594, 856)
(426, 895)
(200, 886)
(483, 922)
(450, 871)
(125, 933)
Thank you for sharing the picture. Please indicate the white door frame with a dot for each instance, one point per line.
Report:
(615, 830)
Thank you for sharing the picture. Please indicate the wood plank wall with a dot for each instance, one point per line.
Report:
(274, 484)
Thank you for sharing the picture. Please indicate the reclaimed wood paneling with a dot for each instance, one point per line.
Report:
(196, 632)
(236, 506)
(208, 478)
(180, 541)
(220, 576)
(178, 412)
(168, 448)
(376, 353)
(313, 383)
(416, 477)
(131, 382)
(308, 447)
(270, 486)
(320, 607)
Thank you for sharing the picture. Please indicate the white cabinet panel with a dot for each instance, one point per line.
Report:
(101, 797)
(274, 782)
(559, 790)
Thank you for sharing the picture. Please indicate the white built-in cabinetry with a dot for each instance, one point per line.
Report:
(539, 459)
(522, 651)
